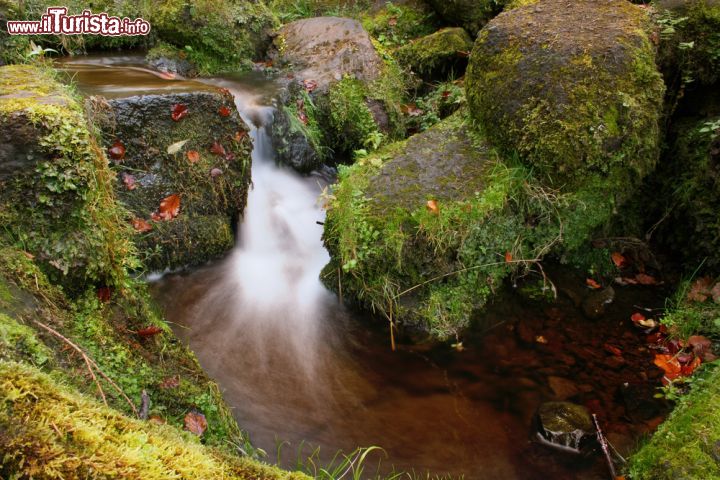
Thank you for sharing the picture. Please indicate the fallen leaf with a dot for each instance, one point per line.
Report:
(239, 135)
(618, 259)
(302, 117)
(689, 368)
(702, 347)
(411, 110)
(508, 257)
(170, 382)
(310, 85)
(141, 225)
(157, 420)
(149, 331)
(217, 149)
(700, 289)
(196, 423)
(193, 156)
(104, 294)
(215, 172)
(392, 21)
(117, 150)
(592, 283)
(715, 292)
(224, 111)
(432, 206)
(176, 147)
(445, 94)
(169, 208)
(645, 279)
(541, 339)
(129, 181)
(179, 111)
(229, 156)
(613, 349)
(669, 364)
(637, 317)
(224, 91)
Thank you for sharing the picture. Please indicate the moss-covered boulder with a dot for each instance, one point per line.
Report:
(689, 41)
(209, 173)
(567, 95)
(344, 95)
(54, 179)
(468, 14)
(215, 36)
(437, 56)
(394, 24)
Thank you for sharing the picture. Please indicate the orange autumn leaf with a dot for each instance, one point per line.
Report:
(193, 156)
(224, 111)
(669, 364)
(169, 208)
(592, 283)
(196, 423)
(700, 289)
(179, 111)
(432, 205)
(149, 331)
(618, 259)
(637, 317)
(117, 151)
(141, 225)
(508, 257)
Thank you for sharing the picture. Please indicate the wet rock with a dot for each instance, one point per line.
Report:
(562, 388)
(565, 426)
(597, 301)
(640, 402)
(326, 49)
(212, 189)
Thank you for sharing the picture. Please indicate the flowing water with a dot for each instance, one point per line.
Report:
(299, 369)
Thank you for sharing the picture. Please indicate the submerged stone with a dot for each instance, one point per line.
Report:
(565, 426)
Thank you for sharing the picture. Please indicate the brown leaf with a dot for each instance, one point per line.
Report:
(432, 206)
(149, 331)
(193, 156)
(141, 225)
(169, 208)
(645, 279)
(411, 110)
(592, 283)
(702, 347)
(157, 420)
(670, 364)
(215, 172)
(310, 85)
(700, 289)
(196, 423)
(303, 117)
(170, 382)
(129, 181)
(689, 368)
(218, 149)
(508, 257)
(239, 135)
(104, 294)
(117, 151)
(618, 259)
(179, 111)
(224, 111)
(392, 21)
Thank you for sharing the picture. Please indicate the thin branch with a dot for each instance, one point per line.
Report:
(90, 364)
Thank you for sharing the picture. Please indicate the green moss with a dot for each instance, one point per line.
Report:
(19, 342)
(52, 431)
(291, 10)
(350, 123)
(567, 111)
(395, 25)
(472, 15)
(437, 55)
(62, 207)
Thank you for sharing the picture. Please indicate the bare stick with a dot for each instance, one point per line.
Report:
(90, 363)
(604, 446)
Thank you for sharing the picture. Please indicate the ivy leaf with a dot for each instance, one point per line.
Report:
(176, 147)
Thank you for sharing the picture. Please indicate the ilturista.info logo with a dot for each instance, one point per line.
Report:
(56, 21)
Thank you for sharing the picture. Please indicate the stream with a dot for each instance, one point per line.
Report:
(301, 371)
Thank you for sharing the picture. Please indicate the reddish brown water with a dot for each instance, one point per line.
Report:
(297, 367)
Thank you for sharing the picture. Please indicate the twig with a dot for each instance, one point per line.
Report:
(90, 364)
(604, 446)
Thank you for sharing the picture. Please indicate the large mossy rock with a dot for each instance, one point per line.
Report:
(437, 56)
(568, 95)
(214, 35)
(344, 94)
(392, 253)
(212, 188)
(56, 197)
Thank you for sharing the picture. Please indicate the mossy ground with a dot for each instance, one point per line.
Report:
(216, 36)
(437, 56)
